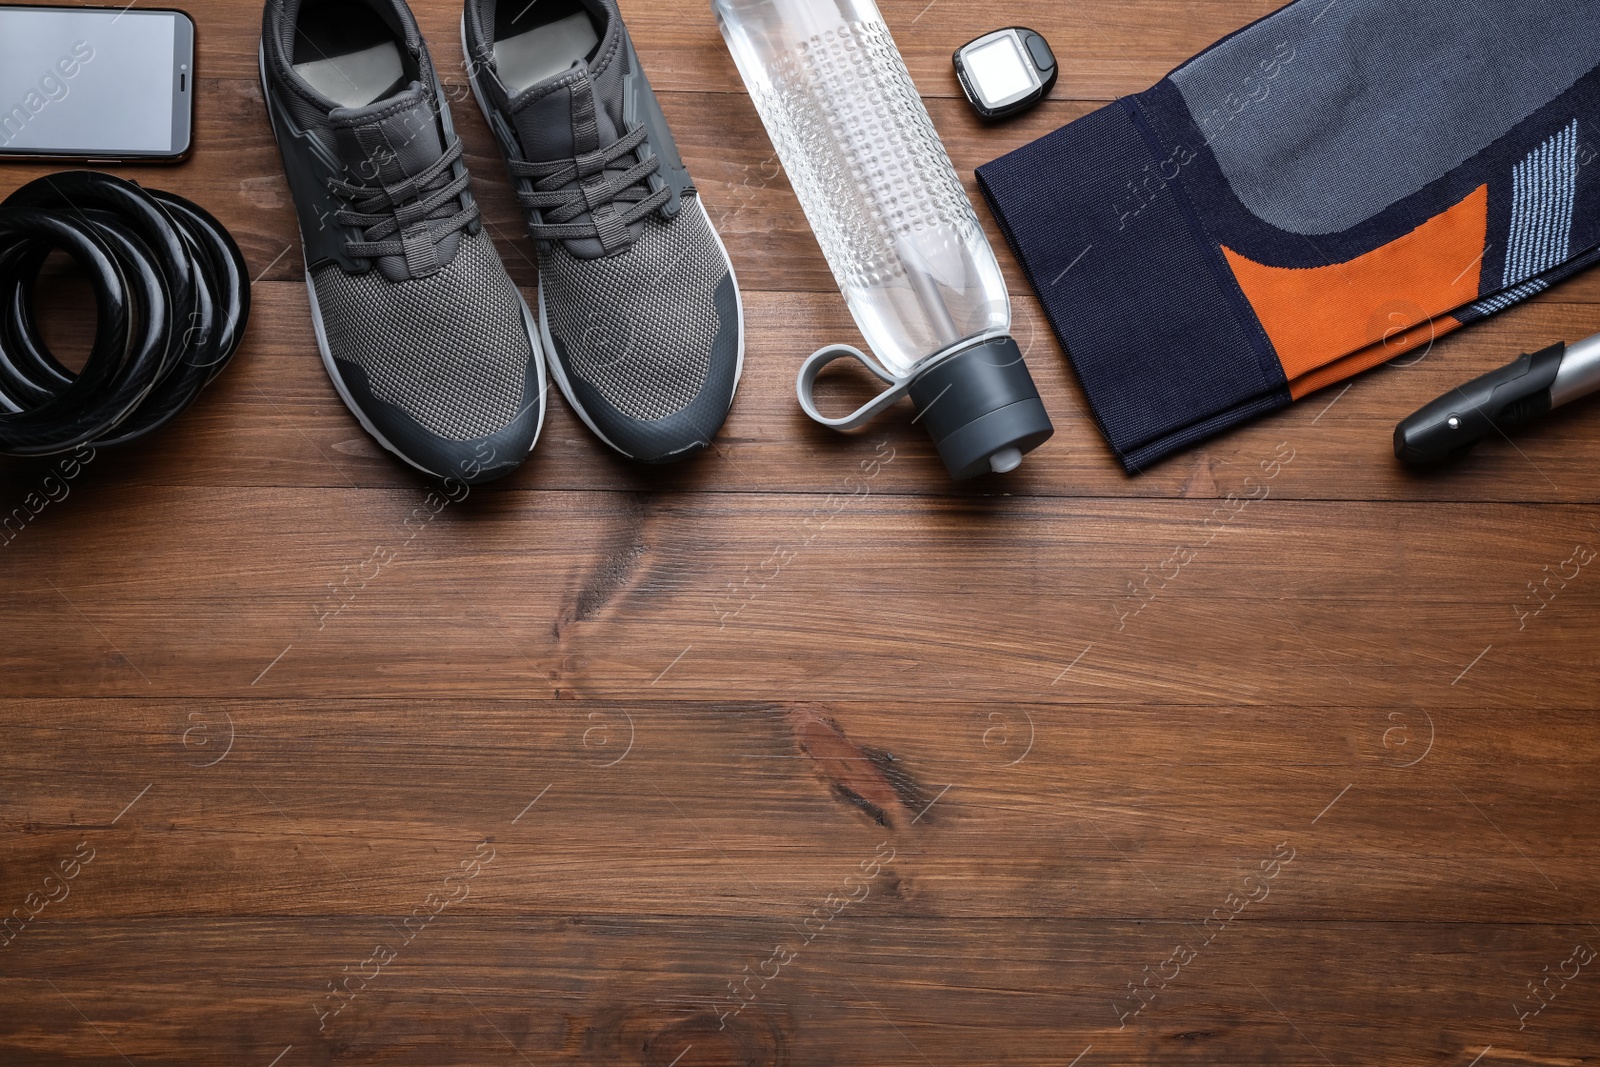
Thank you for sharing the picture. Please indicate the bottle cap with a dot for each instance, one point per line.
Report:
(982, 409)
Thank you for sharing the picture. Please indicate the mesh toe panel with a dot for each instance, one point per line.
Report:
(451, 350)
(640, 327)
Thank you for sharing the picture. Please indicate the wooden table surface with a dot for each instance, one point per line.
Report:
(798, 753)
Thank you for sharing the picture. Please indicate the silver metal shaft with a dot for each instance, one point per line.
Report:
(1579, 374)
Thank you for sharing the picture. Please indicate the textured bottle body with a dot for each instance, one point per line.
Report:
(886, 205)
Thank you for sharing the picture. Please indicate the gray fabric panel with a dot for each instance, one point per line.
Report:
(450, 350)
(391, 140)
(640, 327)
(1379, 99)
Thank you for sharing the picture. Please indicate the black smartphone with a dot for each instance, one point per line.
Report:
(100, 85)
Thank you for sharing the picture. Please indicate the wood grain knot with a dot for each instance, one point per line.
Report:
(872, 781)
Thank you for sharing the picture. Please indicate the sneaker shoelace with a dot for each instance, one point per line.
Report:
(382, 212)
(567, 190)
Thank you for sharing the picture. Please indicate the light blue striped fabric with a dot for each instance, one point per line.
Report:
(1545, 184)
(1501, 301)
(1544, 188)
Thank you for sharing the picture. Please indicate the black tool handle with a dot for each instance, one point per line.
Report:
(1502, 400)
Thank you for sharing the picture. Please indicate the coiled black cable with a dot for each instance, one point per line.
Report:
(172, 295)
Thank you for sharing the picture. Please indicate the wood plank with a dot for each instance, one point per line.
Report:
(873, 988)
(595, 596)
(310, 808)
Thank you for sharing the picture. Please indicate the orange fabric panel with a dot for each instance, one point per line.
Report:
(1328, 320)
(1395, 345)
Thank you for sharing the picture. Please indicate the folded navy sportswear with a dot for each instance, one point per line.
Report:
(1334, 185)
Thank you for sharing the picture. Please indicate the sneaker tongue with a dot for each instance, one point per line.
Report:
(561, 118)
(389, 141)
(565, 118)
(385, 143)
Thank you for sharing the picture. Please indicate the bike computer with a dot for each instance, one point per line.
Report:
(1006, 72)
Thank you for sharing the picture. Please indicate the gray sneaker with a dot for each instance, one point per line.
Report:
(638, 305)
(426, 339)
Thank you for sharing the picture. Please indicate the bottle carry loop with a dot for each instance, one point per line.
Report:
(812, 368)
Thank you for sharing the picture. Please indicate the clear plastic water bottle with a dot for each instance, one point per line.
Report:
(895, 225)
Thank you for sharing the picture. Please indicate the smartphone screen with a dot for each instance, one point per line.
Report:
(95, 82)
